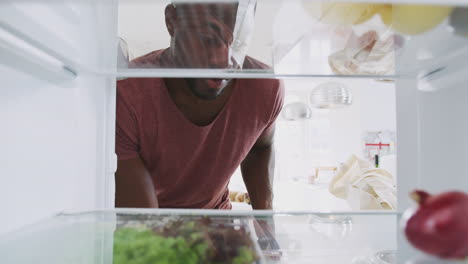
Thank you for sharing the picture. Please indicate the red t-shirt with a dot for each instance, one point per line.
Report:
(191, 165)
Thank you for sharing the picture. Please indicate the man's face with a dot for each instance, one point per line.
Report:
(202, 36)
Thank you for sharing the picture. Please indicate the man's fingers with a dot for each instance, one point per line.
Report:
(266, 235)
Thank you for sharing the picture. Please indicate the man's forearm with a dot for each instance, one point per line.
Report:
(134, 186)
(257, 171)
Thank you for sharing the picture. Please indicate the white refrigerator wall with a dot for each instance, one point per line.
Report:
(433, 148)
(443, 139)
(431, 115)
(57, 136)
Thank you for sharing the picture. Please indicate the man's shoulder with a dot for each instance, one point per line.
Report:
(150, 60)
(268, 89)
(253, 64)
(131, 87)
(265, 88)
(269, 86)
(137, 91)
(261, 96)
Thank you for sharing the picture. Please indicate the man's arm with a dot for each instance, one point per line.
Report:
(134, 186)
(257, 171)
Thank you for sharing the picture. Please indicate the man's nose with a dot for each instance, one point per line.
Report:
(219, 63)
(218, 58)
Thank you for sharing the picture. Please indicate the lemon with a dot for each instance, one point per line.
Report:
(340, 13)
(415, 19)
(386, 14)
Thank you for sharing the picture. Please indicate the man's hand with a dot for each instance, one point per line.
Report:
(134, 187)
(265, 230)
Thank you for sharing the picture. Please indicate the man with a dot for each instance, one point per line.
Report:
(179, 141)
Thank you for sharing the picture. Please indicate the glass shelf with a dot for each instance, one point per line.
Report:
(89, 237)
(242, 74)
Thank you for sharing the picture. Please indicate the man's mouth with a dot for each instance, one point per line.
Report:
(216, 83)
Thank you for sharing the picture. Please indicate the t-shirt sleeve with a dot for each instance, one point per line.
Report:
(126, 129)
(278, 91)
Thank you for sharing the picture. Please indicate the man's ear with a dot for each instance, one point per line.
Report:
(171, 18)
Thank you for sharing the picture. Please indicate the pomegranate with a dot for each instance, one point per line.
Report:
(439, 226)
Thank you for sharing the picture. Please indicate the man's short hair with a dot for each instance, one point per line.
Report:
(175, 2)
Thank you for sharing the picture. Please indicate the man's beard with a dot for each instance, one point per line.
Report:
(192, 84)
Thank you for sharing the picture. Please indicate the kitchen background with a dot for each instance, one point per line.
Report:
(320, 141)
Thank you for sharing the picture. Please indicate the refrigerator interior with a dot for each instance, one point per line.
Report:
(60, 61)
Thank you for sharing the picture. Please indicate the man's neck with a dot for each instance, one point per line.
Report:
(199, 111)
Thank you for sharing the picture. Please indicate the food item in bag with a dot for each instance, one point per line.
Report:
(185, 242)
(339, 13)
(386, 14)
(414, 19)
(239, 197)
(368, 54)
(439, 226)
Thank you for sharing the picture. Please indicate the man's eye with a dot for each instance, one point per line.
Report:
(211, 41)
(216, 28)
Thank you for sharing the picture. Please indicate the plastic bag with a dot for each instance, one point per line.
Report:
(363, 186)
